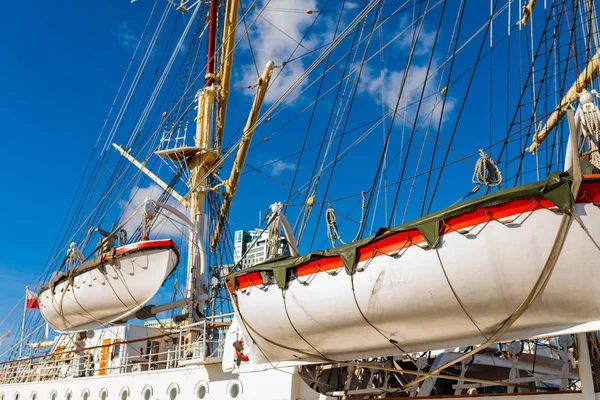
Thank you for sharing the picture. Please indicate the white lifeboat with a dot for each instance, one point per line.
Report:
(109, 288)
(405, 295)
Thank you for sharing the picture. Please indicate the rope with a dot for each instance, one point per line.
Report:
(545, 274)
(274, 234)
(363, 209)
(486, 171)
(332, 229)
(589, 119)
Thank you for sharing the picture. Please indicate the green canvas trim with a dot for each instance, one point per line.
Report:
(431, 232)
(556, 189)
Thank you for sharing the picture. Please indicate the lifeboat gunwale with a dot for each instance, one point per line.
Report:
(322, 261)
(117, 253)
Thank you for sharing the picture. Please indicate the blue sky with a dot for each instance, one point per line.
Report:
(63, 63)
(60, 70)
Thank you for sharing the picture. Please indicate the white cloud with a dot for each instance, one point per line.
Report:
(163, 228)
(385, 84)
(125, 36)
(280, 166)
(424, 43)
(274, 37)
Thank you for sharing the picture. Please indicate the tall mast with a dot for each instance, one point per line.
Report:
(202, 161)
(229, 25)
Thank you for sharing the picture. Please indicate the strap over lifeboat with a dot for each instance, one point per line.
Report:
(115, 285)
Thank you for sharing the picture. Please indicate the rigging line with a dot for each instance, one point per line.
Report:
(162, 79)
(250, 330)
(318, 61)
(340, 115)
(114, 102)
(398, 101)
(378, 100)
(104, 126)
(458, 117)
(378, 52)
(136, 78)
(249, 41)
(106, 121)
(388, 17)
(540, 283)
(455, 32)
(346, 151)
(530, 130)
(283, 298)
(441, 116)
(177, 103)
(455, 294)
(88, 218)
(431, 118)
(310, 121)
(298, 43)
(87, 197)
(364, 317)
(519, 109)
(157, 130)
(300, 225)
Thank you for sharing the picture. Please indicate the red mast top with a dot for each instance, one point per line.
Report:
(212, 33)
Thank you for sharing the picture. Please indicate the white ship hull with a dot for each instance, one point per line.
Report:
(111, 290)
(186, 382)
(408, 298)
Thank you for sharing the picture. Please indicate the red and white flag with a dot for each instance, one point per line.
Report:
(31, 300)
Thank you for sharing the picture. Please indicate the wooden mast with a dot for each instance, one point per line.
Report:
(585, 78)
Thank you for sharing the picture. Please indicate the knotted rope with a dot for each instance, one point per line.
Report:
(486, 171)
(332, 229)
(589, 119)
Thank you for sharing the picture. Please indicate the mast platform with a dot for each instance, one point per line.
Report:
(186, 153)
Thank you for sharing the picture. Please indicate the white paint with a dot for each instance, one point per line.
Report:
(279, 384)
(407, 298)
(108, 294)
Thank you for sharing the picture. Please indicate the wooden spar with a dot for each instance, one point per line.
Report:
(240, 158)
(229, 25)
(151, 175)
(585, 78)
(527, 11)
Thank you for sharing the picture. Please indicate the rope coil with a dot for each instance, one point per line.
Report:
(486, 171)
(332, 229)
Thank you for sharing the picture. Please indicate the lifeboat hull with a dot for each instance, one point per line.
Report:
(407, 297)
(108, 289)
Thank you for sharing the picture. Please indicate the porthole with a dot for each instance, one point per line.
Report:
(17, 396)
(104, 394)
(147, 392)
(34, 395)
(69, 395)
(53, 395)
(85, 395)
(173, 391)
(124, 393)
(201, 390)
(234, 389)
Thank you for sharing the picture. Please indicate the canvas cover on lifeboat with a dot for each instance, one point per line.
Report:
(108, 288)
(449, 279)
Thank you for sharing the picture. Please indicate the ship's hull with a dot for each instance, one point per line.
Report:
(406, 297)
(109, 289)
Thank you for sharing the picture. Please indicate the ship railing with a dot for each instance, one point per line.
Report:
(207, 340)
(201, 342)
